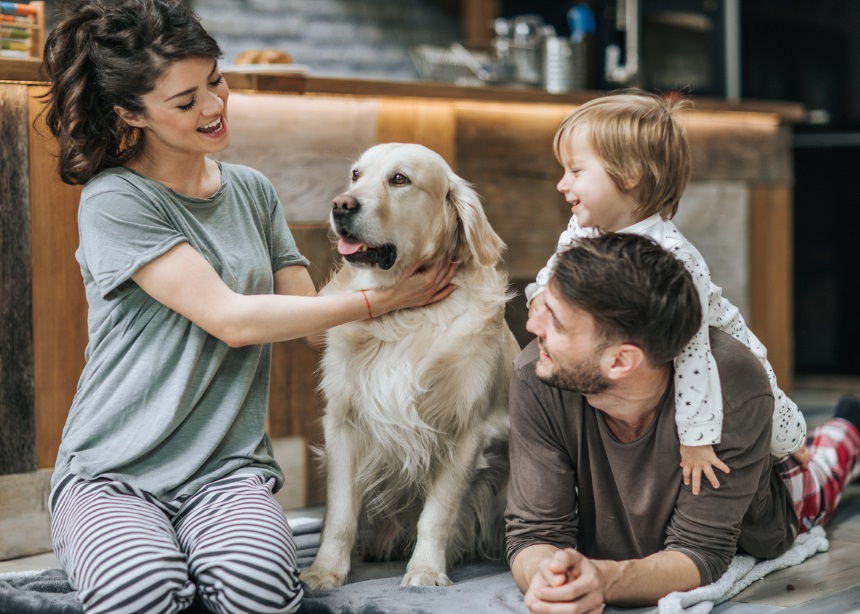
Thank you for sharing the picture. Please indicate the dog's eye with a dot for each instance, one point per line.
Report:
(355, 174)
(400, 179)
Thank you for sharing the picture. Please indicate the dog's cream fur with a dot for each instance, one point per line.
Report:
(416, 422)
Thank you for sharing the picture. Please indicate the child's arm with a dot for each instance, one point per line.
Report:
(698, 411)
(698, 393)
(566, 240)
(540, 282)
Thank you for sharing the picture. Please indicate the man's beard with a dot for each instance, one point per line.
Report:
(584, 377)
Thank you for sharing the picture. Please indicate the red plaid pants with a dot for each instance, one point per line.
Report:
(815, 491)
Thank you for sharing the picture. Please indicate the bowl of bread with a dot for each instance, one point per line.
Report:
(269, 61)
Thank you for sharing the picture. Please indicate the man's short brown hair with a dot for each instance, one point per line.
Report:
(635, 290)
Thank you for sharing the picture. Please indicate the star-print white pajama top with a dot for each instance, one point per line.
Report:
(698, 397)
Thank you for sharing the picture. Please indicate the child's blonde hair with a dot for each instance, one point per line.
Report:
(642, 146)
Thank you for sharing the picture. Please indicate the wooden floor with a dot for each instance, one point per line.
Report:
(827, 583)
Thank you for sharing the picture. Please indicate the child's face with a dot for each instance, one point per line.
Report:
(596, 200)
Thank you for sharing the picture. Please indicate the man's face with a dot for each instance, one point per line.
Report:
(570, 347)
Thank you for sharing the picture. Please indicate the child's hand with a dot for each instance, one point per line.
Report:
(696, 460)
(802, 456)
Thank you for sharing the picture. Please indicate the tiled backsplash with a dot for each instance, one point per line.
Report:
(355, 38)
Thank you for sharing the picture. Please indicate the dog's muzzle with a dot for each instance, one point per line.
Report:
(344, 212)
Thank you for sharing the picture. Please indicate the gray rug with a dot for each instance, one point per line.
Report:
(478, 588)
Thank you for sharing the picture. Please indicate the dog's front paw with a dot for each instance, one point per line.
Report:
(425, 576)
(319, 579)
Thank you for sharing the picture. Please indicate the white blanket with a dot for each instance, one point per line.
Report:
(743, 571)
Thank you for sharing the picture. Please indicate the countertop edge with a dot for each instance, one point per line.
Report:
(29, 71)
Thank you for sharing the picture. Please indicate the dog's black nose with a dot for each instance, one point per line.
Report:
(344, 204)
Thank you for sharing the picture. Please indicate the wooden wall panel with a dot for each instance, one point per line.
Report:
(59, 301)
(17, 395)
(430, 124)
(771, 269)
(727, 148)
(506, 152)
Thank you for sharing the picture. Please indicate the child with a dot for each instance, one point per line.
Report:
(162, 491)
(626, 164)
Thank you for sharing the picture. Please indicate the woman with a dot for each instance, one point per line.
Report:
(162, 491)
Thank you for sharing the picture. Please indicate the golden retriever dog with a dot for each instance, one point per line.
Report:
(415, 423)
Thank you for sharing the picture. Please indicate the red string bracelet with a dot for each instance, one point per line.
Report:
(367, 302)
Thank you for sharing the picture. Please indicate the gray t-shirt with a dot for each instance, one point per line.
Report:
(161, 404)
(574, 484)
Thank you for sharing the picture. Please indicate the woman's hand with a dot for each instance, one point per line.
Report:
(415, 287)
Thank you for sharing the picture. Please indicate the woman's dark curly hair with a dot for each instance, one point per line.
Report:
(107, 53)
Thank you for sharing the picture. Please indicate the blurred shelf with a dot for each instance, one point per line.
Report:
(27, 70)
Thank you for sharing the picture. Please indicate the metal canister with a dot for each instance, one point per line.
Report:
(526, 48)
(557, 64)
(563, 64)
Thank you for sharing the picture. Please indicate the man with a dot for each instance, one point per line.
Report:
(597, 511)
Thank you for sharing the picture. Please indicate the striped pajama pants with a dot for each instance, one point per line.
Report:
(127, 552)
(815, 491)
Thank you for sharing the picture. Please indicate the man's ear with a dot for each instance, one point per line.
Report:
(622, 360)
(132, 119)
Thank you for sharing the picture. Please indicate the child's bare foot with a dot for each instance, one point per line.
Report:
(802, 456)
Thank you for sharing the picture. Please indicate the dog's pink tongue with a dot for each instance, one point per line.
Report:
(348, 246)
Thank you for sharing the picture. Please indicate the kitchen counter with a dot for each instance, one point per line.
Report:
(29, 70)
(788, 112)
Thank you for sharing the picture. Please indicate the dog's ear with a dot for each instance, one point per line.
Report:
(476, 238)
